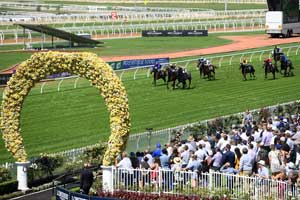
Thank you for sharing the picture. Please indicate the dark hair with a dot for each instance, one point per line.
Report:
(238, 152)
(164, 151)
(146, 159)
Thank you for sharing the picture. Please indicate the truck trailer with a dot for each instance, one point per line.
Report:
(282, 18)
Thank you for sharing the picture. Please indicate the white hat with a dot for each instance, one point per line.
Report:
(261, 162)
(282, 139)
(291, 165)
(177, 160)
(287, 132)
(285, 120)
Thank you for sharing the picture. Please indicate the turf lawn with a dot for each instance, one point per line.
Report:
(55, 121)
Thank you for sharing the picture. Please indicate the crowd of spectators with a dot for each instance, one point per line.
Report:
(269, 149)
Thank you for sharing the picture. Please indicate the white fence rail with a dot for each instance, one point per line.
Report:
(195, 183)
(148, 140)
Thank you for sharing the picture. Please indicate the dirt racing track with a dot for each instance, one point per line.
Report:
(239, 43)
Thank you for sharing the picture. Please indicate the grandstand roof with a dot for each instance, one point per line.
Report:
(60, 34)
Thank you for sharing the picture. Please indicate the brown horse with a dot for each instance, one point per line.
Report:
(209, 70)
(180, 75)
(246, 68)
(269, 68)
(158, 74)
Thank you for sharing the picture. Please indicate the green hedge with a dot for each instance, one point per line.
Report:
(8, 187)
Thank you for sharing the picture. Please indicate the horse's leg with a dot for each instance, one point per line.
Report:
(190, 81)
(273, 74)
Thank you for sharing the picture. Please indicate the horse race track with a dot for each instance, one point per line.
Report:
(56, 121)
(239, 43)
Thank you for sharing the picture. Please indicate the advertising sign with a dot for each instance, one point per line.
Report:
(143, 62)
(175, 33)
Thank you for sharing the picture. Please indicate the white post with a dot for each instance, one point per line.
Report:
(22, 175)
(107, 180)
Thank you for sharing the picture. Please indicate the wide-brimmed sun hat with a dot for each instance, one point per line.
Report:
(261, 162)
(177, 160)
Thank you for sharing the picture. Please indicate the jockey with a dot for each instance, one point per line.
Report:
(207, 62)
(245, 61)
(157, 66)
(268, 60)
(284, 58)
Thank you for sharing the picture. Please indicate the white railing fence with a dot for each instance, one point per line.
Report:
(197, 183)
(148, 140)
(219, 60)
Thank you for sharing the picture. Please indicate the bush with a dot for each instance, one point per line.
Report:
(44, 166)
(4, 175)
(8, 187)
(95, 154)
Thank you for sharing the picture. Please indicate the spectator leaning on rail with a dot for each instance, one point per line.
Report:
(246, 163)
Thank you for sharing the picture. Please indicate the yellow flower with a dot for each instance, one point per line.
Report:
(84, 64)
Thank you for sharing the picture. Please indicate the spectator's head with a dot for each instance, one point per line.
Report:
(157, 161)
(177, 160)
(185, 147)
(261, 163)
(146, 159)
(245, 150)
(238, 152)
(124, 154)
(250, 146)
(138, 154)
(164, 151)
(132, 154)
(191, 138)
(228, 147)
(158, 145)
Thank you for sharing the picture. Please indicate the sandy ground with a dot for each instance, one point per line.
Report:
(239, 43)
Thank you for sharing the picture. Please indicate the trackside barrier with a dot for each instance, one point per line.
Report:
(196, 183)
(220, 59)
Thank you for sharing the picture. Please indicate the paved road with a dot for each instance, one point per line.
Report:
(42, 195)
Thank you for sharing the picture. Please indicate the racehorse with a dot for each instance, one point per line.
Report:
(246, 68)
(178, 74)
(286, 66)
(200, 66)
(209, 70)
(172, 75)
(269, 68)
(182, 76)
(158, 74)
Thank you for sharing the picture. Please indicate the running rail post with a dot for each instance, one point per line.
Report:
(59, 84)
(261, 54)
(134, 76)
(122, 75)
(75, 82)
(42, 87)
(230, 61)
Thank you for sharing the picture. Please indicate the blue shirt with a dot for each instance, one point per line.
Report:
(246, 163)
(229, 170)
(193, 165)
(164, 161)
(156, 153)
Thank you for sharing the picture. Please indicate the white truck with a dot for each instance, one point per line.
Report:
(283, 18)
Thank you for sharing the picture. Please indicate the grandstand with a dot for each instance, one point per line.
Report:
(70, 37)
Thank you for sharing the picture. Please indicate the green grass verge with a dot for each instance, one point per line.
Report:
(133, 46)
(56, 121)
